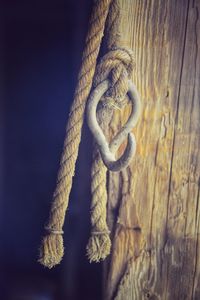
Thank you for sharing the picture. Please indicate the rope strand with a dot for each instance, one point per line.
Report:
(51, 251)
(99, 245)
(117, 64)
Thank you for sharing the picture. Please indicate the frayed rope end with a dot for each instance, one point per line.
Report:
(51, 250)
(98, 247)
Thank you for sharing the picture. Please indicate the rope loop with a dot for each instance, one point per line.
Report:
(52, 249)
(117, 66)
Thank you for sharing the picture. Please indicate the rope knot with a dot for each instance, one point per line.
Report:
(117, 66)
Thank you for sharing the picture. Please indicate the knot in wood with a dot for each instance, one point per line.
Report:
(117, 66)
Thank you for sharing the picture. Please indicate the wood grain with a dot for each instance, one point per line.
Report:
(153, 208)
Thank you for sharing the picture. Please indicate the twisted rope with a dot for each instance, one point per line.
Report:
(117, 65)
(51, 250)
(99, 243)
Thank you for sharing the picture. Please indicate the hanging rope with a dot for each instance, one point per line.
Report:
(51, 250)
(99, 243)
(117, 65)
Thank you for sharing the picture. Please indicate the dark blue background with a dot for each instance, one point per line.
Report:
(41, 43)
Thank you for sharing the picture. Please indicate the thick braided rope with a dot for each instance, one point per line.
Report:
(52, 250)
(99, 243)
(117, 65)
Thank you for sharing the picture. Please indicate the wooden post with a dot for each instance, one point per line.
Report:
(153, 208)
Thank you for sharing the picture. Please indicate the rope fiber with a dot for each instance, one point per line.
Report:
(117, 65)
(52, 250)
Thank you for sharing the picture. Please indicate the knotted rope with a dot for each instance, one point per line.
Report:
(51, 250)
(117, 65)
(99, 243)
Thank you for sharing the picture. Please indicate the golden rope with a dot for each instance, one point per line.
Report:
(99, 243)
(117, 64)
(51, 250)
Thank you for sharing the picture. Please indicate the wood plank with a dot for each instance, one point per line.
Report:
(156, 231)
(183, 208)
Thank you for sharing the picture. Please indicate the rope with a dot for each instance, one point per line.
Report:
(99, 243)
(117, 65)
(51, 251)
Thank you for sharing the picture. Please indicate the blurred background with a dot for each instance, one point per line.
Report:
(41, 46)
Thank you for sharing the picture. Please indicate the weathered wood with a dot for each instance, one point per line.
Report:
(153, 206)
